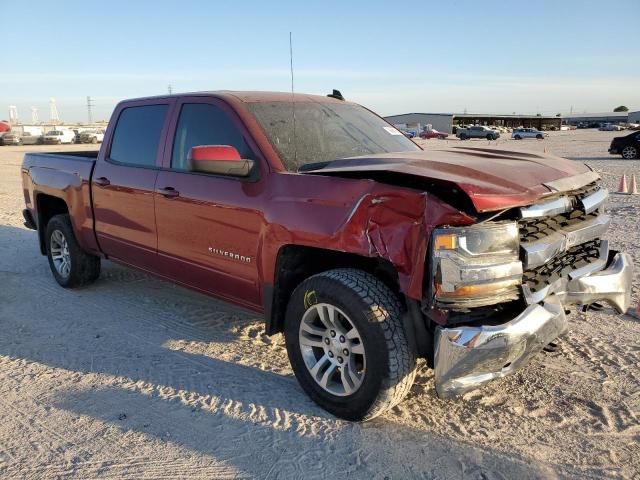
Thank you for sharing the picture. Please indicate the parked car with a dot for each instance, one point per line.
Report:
(15, 138)
(627, 146)
(59, 137)
(365, 261)
(477, 131)
(92, 136)
(408, 133)
(610, 127)
(11, 138)
(520, 133)
(433, 133)
(29, 139)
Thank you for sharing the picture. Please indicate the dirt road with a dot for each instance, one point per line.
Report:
(133, 377)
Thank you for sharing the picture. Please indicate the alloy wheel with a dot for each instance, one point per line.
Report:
(629, 153)
(60, 253)
(332, 349)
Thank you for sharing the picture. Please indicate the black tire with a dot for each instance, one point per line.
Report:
(84, 267)
(540, 136)
(517, 137)
(376, 312)
(490, 137)
(463, 136)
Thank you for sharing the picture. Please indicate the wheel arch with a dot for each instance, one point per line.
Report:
(295, 263)
(47, 206)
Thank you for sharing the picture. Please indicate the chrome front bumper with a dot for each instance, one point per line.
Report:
(466, 357)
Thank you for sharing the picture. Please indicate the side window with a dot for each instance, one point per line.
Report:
(137, 135)
(205, 124)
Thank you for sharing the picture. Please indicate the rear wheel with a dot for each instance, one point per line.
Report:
(71, 266)
(347, 344)
(629, 153)
(517, 137)
(94, 140)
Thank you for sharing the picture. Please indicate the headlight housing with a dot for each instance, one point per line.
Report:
(476, 265)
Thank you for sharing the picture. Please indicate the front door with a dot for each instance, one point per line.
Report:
(208, 225)
(123, 185)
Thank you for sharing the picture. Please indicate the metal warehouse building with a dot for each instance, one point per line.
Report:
(605, 117)
(634, 117)
(447, 122)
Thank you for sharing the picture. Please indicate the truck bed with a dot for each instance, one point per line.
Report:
(65, 176)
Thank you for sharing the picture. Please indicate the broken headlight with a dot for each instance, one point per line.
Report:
(476, 265)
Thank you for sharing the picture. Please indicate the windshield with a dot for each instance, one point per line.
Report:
(326, 131)
(53, 132)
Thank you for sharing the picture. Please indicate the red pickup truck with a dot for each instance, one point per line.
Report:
(364, 250)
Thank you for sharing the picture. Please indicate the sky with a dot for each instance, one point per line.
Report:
(491, 56)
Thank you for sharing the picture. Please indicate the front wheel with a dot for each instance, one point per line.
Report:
(71, 266)
(629, 153)
(347, 344)
(539, 137)
(463, 137)
(94, 140)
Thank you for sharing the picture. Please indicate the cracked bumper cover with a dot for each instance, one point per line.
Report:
(466, 357)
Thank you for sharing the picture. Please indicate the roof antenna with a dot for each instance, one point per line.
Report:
(336, 94)
(293, 103)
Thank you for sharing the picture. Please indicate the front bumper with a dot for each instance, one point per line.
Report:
(467, 357)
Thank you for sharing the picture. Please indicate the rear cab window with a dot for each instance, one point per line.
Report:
(136, 137)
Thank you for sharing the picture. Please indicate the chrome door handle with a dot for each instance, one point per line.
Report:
(102, 181)
(168, 192)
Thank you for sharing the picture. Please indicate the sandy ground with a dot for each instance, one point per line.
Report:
(133, 377)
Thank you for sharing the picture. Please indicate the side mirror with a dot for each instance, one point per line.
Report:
(219, 160)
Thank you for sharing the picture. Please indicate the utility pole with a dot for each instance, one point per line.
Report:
(170, 88)
(90, 106)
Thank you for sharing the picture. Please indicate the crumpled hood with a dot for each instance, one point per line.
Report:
(493, 179)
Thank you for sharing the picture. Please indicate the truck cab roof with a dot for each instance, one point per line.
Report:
(248, 96)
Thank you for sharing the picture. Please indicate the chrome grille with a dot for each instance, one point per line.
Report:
(561, 266)
(561, 234)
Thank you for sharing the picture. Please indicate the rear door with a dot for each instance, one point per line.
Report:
(208, 225)
(123, 183)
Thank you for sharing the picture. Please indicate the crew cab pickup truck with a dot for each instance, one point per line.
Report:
(364, 250)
